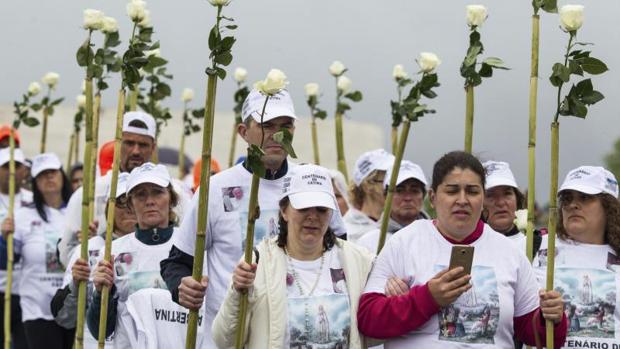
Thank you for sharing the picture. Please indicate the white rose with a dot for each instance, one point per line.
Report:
(81, 101)
(275, 81)
(344, 84)
(521, 220)
(240, 74)
(34, 88)
(428, 61)
(476, 15)
(399, 72)
(571, 17)
(109, 25)
(93, 19)
(146, 20)
(156, 52)
(312, 89)
(219, 2)
(337, 68)
(136, 10)
(187, 95)
(50, 79)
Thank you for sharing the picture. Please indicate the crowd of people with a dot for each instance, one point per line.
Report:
(317, 279)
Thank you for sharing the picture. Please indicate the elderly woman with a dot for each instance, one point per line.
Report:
(136, 255)
(586, 256)
(446, 308)
(366, 193)
(37, 231)
(305, 284)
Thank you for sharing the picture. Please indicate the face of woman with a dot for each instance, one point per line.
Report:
(458, 203)
(151, 204)
(49, 182)
(500, 204)
(373, 186)
(307, 226)
(583, 216)
(124, 218)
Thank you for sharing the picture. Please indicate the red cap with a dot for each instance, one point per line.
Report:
(215, 168)
(106, 157)
(5, 131)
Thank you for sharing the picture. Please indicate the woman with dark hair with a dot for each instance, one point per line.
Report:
(587, 247)
(497, 300)
(37, 230)
(304, 285)
(76, 176)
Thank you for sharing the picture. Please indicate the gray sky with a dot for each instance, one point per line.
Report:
(303, 37)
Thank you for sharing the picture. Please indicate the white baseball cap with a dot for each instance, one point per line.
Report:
(309, 186)
(278, 105)
(44, 162)
(147, 119)
(18, 156)
(148, 173)
(121, 185)
(407, 171)
(373, 160)
(591, 180)
(498, 173)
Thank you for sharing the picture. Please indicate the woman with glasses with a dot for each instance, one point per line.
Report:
(587, 262)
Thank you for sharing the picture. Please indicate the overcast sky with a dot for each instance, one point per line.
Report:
(303, 37)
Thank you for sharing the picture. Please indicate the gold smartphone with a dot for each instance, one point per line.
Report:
(462, 256)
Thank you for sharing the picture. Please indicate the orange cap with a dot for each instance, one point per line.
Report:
(106, 157)
(215, 168)
(5, 131)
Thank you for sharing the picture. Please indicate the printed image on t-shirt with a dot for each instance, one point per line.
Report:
(474, 316)
(319, 322)
(145, 279)
(93, 257)
(338, 280)
(52, 263)
(613, 262)
(123, 263)
(233, 198)
(541, 260)
(589, 301)
(265, 227)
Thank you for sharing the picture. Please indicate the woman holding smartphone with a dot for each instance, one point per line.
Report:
(446, 308)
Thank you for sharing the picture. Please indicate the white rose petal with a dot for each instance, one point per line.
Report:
(110, 25)
(136, 10)
(521, 220)
(146, 20)
(476, 15)
(275, 81)
(399, 72)
(187, 95)
(219, 2)
(337, 68)
(93, 19)
(81, 101)
(571, 17)
(428, 61)
(34, 88)
(156, 52)
(50, 79)
(240, 74)
(344, 84)
(312, 89)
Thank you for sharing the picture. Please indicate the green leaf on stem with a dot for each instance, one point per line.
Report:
(486, 71)
(214, 35)
(223, 58)
(574, 67)
(285, 138)
(30, 121)
(593, 66)
(355, 96)
(84, 55)
(320, 114)
(472, 55)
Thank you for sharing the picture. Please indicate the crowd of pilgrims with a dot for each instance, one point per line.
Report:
(316, 280)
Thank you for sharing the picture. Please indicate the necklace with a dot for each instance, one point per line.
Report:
(301, 290)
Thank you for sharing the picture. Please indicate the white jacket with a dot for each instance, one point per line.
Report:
(267, 309)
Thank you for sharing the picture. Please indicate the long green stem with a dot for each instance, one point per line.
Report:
(342, 164)
(9, 243)
(553, 219)
(531, 145)
(44, 126)
(394, 138)
(105, 293)
(70, 155)
(469, 118)
(133, 98)
(77, 145)
(315, 143)
(182, 146)
(88, 152)
(233, 145)
(387, 208)
(96, 112)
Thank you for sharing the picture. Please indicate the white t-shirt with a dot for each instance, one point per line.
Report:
(42, 272)
(226, 229)
(504, 286)
(22, 198)
(588, 278)
(323, 319)
(154, 321)
(370, 240)
(357, 224)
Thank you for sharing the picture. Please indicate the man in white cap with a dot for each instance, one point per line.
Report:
(407, 202)
(137, 147)
(23, 197)
(366, 196)
(228, 211)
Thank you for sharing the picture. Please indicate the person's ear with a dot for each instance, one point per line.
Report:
(284, 215)
(242, 130)
(431, 197)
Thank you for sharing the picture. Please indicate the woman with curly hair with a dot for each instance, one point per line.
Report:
(587, 265)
